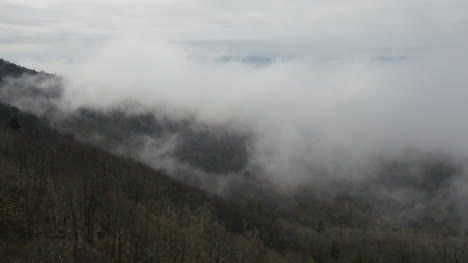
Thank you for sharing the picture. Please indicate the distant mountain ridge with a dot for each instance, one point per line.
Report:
(8, 69)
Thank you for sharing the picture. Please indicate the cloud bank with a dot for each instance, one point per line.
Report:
(303, 113)
(345, 80)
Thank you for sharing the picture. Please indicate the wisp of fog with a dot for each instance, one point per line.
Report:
(302, 111)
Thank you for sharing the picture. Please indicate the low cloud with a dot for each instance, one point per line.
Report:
(303, 113)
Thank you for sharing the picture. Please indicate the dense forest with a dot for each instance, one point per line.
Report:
(81, 188)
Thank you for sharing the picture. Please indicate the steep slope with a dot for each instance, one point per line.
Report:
(62, 200)
(208, 148)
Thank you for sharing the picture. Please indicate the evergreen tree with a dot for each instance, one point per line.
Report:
(334, 250)
(320, 227)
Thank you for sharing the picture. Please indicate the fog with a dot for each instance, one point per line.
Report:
(359, 100)
(302, 111)
(334, 82)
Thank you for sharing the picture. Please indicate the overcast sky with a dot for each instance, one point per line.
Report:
(69, 30)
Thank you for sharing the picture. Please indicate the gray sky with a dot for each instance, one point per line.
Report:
(69, 30)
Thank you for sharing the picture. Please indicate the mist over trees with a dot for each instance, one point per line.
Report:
(202, 131)
(64, 200)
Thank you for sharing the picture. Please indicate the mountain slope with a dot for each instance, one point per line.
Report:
(65, 201)
(62, 200)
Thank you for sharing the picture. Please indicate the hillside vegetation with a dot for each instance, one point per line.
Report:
(63, 200)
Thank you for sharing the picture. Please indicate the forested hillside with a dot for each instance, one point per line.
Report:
(67, 198)
(63, 201)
